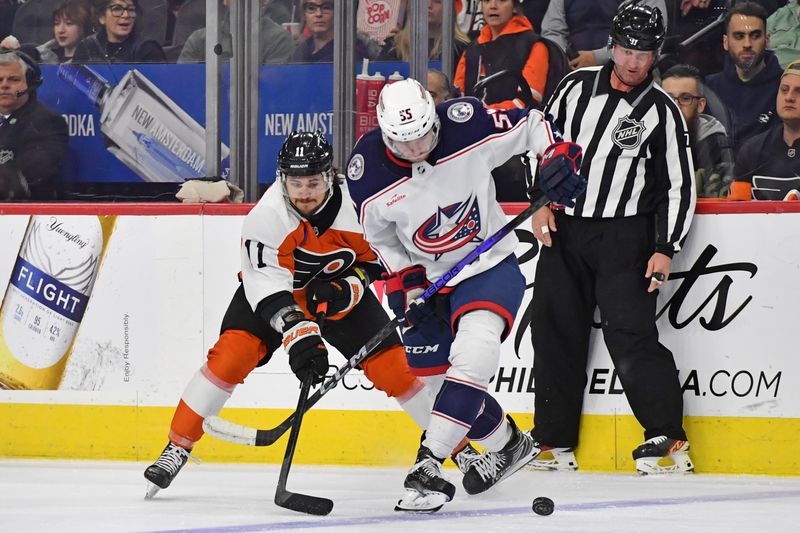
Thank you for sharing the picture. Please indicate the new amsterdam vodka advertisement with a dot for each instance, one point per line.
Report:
(144, 128)
(47, 296)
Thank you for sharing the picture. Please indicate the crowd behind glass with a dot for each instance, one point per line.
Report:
(733, 77)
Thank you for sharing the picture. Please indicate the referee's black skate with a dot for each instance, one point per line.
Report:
(493, 467)
(161, 473)
(663, 455)
(427, 490)
(552, 458)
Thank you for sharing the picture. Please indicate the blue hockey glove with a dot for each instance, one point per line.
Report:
(402, 288)
(558, 173)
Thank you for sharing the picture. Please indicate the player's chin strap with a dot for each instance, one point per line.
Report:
(239, 434)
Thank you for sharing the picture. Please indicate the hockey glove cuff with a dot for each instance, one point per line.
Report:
(307, 352)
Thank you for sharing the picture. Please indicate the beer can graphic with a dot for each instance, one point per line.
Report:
(47, 295)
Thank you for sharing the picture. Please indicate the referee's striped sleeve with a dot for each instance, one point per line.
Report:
(675, 209)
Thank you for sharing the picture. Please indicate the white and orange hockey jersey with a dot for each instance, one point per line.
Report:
(281, 251)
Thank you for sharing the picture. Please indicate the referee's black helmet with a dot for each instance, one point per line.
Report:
(638, 27)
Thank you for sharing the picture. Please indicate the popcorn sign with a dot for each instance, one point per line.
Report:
(379, 17)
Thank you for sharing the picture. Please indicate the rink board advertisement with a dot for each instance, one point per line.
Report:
(158, 284)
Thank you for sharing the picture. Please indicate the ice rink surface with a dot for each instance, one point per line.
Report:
(48, 496)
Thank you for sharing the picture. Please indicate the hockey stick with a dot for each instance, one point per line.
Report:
(239, 434)
(302, 503)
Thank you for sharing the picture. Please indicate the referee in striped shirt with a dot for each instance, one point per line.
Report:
(614, 248)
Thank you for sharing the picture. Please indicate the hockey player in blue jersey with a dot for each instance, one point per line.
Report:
(422, 186)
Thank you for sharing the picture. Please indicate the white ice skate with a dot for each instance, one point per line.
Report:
(662, 455)
(553, 458)
(427, 490)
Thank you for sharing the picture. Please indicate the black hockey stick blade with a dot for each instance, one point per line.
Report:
(301, 503)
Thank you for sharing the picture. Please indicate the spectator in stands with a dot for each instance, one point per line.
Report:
(698, 20)
(506, 43)
(275, 43)
(439, 86)
(12, 43)
(711, 150)
(280, 11)
(170, 22)
(535, 10)
(398, 44)
(7, 9)
(71, 23)
(116, 39)
(581, 29)
(318, 23)
(784, 33)
(775, 152)
(749, 81)
(33, 139)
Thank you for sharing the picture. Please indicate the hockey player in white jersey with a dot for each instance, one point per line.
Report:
(422, 186)
(301, 246)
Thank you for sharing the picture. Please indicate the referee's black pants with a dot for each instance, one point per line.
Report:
(599, 262)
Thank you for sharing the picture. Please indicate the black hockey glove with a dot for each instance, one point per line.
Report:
(341, 294)
(558, 173)
(307, 352)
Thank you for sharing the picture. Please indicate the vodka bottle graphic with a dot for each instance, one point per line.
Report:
(143, 127)
(47, 295)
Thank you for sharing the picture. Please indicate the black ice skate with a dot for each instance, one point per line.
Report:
(465, 457)
(161, 473)
(493, 467)
(553, 458)
(427, 489)
(663, 455)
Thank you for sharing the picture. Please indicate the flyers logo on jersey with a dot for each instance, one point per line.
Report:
(450, 228)
(628, 133)
(328, 265)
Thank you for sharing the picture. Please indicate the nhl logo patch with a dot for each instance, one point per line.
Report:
(6, 156)
(460, 112)
(628, 133)
(356, 167)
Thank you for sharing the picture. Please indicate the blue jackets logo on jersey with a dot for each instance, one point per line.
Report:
(450, 228)
(309, 265)
(356, 167)
(460, 112)
(628, 133)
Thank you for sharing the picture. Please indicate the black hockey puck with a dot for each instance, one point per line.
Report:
(543, 506)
